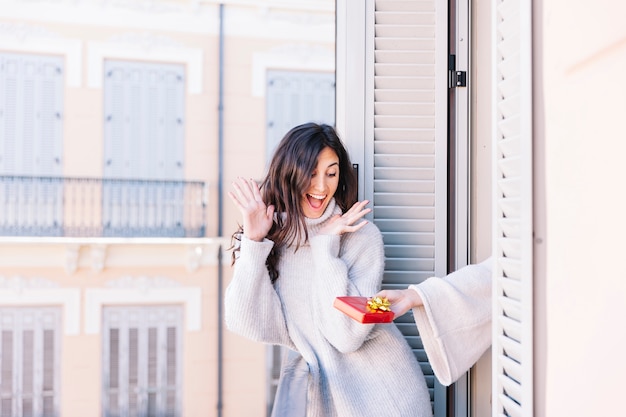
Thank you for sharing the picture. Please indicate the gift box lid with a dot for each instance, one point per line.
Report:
(356, 307)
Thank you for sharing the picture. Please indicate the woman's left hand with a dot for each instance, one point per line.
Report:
(345, 223)
(401, 300)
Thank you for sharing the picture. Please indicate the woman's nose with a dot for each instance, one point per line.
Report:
(318, 183)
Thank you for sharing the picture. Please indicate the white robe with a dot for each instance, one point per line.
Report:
(455, 320)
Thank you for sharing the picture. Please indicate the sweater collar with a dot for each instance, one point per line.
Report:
(314, 225)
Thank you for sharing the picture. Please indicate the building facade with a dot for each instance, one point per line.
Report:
(121, 125)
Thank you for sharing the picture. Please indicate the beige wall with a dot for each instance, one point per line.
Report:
(579, 115)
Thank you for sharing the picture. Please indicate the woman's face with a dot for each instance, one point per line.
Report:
(324, 182)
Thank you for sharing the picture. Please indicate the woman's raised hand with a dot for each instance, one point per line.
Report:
(257, 217)
(342, 223)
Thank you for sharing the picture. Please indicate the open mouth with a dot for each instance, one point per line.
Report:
(316, 200)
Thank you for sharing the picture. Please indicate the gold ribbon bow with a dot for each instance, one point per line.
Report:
(378, 304)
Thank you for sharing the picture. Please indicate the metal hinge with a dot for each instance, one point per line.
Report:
(455, 78)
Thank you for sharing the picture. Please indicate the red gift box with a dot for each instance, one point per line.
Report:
(356, 307)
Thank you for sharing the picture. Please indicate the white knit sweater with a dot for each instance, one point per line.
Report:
(354, 369)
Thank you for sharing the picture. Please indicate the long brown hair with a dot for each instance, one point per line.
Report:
(288, 178)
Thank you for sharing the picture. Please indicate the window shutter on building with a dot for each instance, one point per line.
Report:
(144, 120)
(142, 361)
(512, 351)
(29, 361)
(406, 159)
(296, 97)
(31, 108)
(144, 139)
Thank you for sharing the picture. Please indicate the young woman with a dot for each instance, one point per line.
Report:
(303, 242)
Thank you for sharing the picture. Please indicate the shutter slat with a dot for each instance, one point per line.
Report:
(511, 308)
(382, 69)
(404, 83)
(402, 17)
(512, 368)
(510, 208)
(513, 409)
(408, 187)
(402, 160)
(395, 205)
(509, 145)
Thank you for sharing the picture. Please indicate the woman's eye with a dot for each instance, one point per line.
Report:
(332, 174)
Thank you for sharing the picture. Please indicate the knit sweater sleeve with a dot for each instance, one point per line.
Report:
(252, 307)
(350, 265)
(455, 319)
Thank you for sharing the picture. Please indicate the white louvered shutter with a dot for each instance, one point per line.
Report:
(512, 352)
(144, 139)
(29, 361)
(144, 120)
(31, 143)
(31, 107)
(142, 348)
(296, 97)
(405, 170)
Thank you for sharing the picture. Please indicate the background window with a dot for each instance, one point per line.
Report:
(296, 97)
(29, 361)
(31, 143)
(142, 358)
(143, 192)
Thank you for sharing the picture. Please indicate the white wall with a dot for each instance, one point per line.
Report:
(580, 57)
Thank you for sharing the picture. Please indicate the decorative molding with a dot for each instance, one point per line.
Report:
(195, 257)
(18, 283)
(146, 41)
(99, 254)
(98, 257)
(23, 38)
(18, 291)
(297, 57)
(72, 255)
(142, 283)
(142, 290)
(144, 47)
(142, 6)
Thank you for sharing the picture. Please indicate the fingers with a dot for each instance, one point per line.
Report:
(359, 208)
(356, 227)
(382, 294)
(246, 194)
(235, 200)
(356, 212)
(247, 189)
(270, 211)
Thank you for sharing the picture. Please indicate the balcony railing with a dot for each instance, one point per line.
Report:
(95, 207)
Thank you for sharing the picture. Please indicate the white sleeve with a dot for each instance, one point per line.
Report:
(455, 319)
(251, 305)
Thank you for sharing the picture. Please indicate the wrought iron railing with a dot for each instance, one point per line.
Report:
(96, 207)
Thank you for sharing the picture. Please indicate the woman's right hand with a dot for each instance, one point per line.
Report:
(257, 217)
